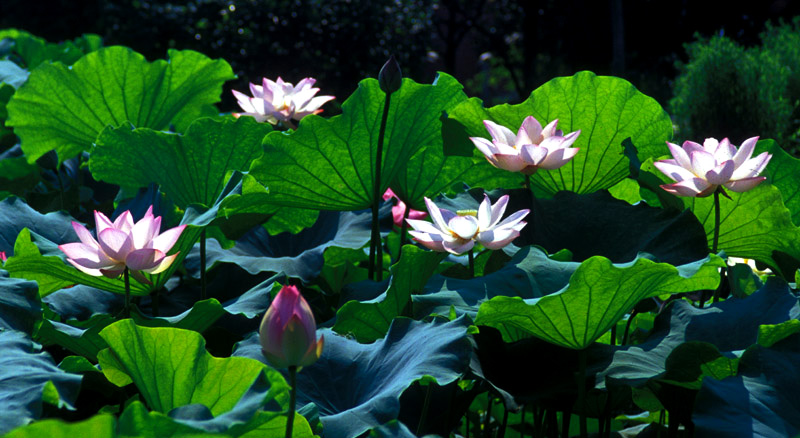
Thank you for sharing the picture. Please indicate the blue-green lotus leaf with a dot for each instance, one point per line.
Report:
(731, 325)
(20, 305)
(383, 370)
(27, 378)
(761, 401)
(297, 255)
(15, 215)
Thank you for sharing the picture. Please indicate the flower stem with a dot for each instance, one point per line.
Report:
(471, 258)
(127, 310)
(292, 400)
(715, 244)
(425, 406)
(376, 249)
(203, 264)
(60, 186)
(582, 392)
(488, 417)
(403, 230)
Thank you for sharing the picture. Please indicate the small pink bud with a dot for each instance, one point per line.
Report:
(3, 257)
(288, 331)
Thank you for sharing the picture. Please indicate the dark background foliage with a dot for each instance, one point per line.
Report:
(500, 49)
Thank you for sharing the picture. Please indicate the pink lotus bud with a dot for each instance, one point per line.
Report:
(399, 210)
(3, 257)
(288, 331)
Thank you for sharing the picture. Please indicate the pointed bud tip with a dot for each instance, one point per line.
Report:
(390, 77)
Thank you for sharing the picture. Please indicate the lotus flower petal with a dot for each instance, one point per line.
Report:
(281, 101)
(288, 331)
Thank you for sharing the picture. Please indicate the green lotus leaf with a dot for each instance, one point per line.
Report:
(171, 369)
(598, 295)
(64, 108)
(607, 110)
(369, 321)
(190, 168)
(329, 164)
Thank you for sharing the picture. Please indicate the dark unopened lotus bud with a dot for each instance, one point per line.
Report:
(390, 78)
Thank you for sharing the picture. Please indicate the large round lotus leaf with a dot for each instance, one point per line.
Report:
(381, 371)
(598, 295)
(607, 110)
(64, 108)
(329, 164)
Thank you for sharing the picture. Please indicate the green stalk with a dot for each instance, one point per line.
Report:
(715, 245)
(126, 275)
(425, 406)
(403, 231)
(203, 264)
(60, 186)
(503, 426)
(471, 258)
(582, 392)
(292, 400)
(552, 424)
(487, 418)
(376, 249)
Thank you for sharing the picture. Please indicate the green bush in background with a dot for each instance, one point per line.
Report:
(726, 90)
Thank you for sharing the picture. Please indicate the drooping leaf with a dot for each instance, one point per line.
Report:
(20, 306)
(384, 369)
(369, 321)
(731, 325)
(12, 74)
(598, 295)
(297, 255)
(64, 108)
(15, 215)
(190, 168)
(329, 164)
(761, 401)
(607, 110)
(171, 368)
(82, 338)
(531, 273)
(27, 376)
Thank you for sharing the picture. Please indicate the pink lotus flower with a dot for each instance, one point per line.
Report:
(457, 233)
(533, 147)
(399, 210)
(698, 170)
(280, 101)
(3, 256)
(123, 244)
(288, 331)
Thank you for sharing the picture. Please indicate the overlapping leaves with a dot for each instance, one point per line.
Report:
(330, 164)
(64, 108)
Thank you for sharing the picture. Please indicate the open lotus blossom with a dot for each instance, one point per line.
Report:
(457, 233)
(399, 210)
(533, 147)
(123, 244)
(281, 101)
(288, 331)
(698, 170)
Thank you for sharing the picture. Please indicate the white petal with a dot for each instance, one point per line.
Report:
(530, 132)
(499, 133)
(464, 226)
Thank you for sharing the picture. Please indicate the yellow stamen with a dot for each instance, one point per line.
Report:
(467, 213)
